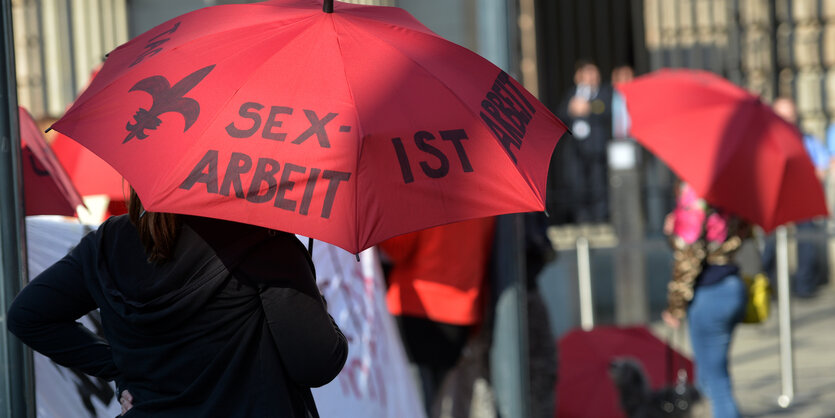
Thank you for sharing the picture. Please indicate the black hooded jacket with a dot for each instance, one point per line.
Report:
(232, 326)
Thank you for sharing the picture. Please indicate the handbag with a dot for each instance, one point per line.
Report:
(758, 302)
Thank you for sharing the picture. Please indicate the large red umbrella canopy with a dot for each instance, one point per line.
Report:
(349, 127)
(584, 386)
(47, 189)
(727, 144)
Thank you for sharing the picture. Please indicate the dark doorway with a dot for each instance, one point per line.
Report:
(608, 33)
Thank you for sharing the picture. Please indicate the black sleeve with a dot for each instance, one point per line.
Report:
(562, 110)
(312, 348)
(44, 314)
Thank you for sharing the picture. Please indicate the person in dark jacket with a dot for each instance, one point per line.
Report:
(587, 111)
(201, 317)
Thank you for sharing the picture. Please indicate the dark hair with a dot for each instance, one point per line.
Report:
(583, 62)
(157, 230)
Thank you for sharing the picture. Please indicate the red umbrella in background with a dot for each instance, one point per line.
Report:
(584, 386)
(350, 127)
(727, 144)
(47, 188)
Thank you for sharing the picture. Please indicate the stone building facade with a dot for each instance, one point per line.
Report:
(772, 47)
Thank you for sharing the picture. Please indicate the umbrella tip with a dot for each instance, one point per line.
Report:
(47, 130)
(547, 215)
(327, 6)
(358, 257)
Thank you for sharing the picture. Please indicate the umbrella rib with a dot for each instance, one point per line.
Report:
(726, 159)
(531, 187)
(361, 136)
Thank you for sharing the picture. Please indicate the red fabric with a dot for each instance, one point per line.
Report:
(439, 273)
(584, 386)
(91, 174)
(47, 188)
(361, 124)
(727, 144)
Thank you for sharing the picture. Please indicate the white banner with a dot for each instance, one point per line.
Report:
(59, 391)
(376, 381)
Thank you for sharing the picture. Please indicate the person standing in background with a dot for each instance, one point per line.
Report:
(620, 115)
(436, 286)
(542, 343)
(707, 290)
(587, 112)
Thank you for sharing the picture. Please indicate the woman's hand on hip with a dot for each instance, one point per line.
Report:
(126, 401)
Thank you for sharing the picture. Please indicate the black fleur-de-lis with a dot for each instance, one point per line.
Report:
(166, 99)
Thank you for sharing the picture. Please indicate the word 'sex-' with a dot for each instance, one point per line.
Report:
(250, 112)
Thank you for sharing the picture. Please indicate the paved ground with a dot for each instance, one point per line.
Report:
(755, 354)
(755, 361)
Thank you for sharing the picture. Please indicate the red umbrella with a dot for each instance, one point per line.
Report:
(727, 144)
(350, 127)
(47, 188)
(584, 386)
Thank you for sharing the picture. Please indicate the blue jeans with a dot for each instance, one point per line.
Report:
(712, 315)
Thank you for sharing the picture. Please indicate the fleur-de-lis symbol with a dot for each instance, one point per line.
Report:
(167, 98)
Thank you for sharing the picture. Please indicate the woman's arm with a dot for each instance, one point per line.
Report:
(313, 349)
(44, 314)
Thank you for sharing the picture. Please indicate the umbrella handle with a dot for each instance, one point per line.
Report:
(327, 6)
(672, 373)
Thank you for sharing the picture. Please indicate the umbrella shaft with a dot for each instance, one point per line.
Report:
(584, 284)
(327, 6)
(784, 319)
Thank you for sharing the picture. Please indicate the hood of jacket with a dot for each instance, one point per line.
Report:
(163, 295)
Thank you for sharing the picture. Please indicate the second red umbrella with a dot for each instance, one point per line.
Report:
(48, 189)
(727, 144)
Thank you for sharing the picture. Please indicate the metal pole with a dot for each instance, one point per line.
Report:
(785, 321)
(509, 354)
(584, 279)
(631, 298)
(17, 391)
